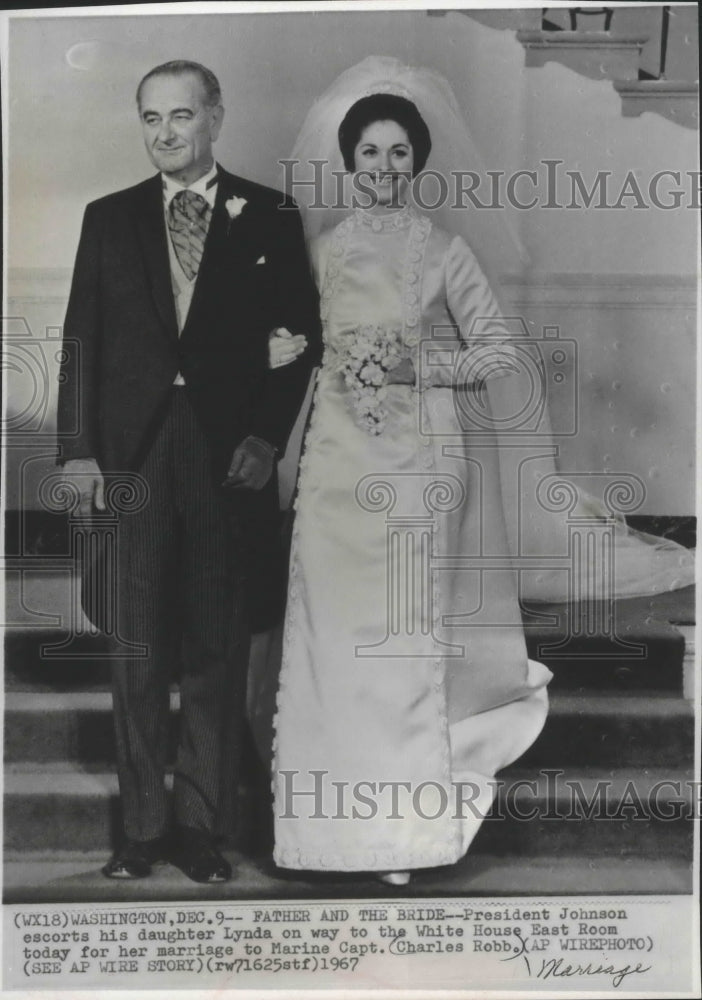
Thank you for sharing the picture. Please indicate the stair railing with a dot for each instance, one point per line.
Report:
(665, 27)
(606, 12)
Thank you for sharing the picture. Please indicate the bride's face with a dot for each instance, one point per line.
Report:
(383, 160)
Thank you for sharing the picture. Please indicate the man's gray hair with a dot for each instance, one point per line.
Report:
(177, 67)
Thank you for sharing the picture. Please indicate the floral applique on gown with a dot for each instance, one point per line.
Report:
(405, 679)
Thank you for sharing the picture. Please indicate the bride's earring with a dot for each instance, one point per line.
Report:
(394, 878)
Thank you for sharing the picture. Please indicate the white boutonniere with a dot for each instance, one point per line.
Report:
(235, 206)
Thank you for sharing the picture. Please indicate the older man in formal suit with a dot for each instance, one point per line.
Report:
(178, 284)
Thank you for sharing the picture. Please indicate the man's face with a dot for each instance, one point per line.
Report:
(179, 126)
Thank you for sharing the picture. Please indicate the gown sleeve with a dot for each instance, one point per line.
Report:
(484, 349)
(319, 254)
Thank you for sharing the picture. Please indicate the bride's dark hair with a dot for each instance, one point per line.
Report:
(382, 108)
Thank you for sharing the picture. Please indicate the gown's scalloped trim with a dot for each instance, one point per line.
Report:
(412, 272)
(337, 252)
(366, 860)
(334, 266)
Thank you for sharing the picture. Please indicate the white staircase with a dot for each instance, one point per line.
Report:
(649, 52)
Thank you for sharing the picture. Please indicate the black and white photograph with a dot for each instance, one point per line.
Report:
(350, 367)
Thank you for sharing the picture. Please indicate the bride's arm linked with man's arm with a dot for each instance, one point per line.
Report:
(477, 349)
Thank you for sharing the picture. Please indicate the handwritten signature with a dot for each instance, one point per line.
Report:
(559, 968)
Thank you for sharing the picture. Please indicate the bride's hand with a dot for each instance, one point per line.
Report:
(284, 347)
(402, 374)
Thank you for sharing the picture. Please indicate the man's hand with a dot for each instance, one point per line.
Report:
(402, 374)
(251, 466)
(284, 347)
(84, 476)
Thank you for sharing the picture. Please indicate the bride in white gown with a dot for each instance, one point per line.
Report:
(392, 720)
(405, 683)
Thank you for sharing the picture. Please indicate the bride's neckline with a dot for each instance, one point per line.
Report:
(383, 222)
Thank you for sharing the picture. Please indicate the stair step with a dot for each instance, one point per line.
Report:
(42, 593)
(637, 642)
(561, 825)
(583, 38)
(527, 18)
(622, 730)
(50, 660)
(581, 729)
(597, 54)
(55, 660)
(73, 877)
(675, 99)
(62, 726)
(56, 809)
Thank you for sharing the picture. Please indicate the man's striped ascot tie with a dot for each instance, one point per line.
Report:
(188, 221)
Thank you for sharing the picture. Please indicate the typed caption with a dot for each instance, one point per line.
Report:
(636, 944)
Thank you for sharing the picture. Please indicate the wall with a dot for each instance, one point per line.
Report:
(74, 136)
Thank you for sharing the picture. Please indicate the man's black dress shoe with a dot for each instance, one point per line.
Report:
(135, 858)
(198, 858)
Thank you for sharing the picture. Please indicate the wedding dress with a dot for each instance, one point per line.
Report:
(403, 673)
